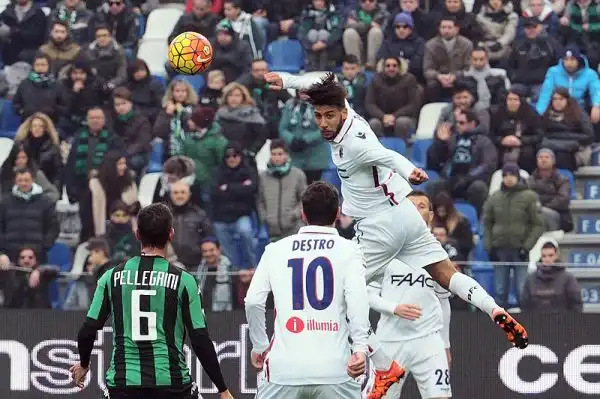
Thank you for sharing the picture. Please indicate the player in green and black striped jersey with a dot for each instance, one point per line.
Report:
(153, 304)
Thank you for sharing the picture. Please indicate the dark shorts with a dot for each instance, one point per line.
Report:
(190, 392)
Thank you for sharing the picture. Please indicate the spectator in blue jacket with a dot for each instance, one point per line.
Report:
(574, 74)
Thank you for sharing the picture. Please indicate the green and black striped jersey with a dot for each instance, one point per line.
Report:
(152, 304)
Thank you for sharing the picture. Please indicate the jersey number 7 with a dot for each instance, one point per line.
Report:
(308, 279)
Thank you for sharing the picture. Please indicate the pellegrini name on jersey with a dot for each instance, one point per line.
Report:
(146, 278)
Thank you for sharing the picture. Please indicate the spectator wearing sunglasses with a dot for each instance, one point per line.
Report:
(27, 288)
(121, 22)
(405, 44)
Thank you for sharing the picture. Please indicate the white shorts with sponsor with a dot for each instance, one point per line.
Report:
(424, 358)
(398, 233)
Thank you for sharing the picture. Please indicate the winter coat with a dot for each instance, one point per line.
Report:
(512, 219)
(329, 19)
(191, 23)
(45, 154)
(565, 138)
(551, 289)
(146, 95)
(19, 295)
(26, 36)
(124, 26)
(78, 103)
(48, 98)
(234, 59)
(121, 242)
(49, 190)
(554, 193)
(209, 97)
(469, 27)
(109, 64)
(497, 84)
(356, 90)
(60, 55)
(380, 16)
(530, 59)
(425, 23)
(191, 226)
(436, 59)
(298, 123)
(237, 199)
(247, 30)
(135, 130)
(206, 151)
(162, 190)
(526, 124)
(33, 223)
(584, 81)
(411, 49)
(447, 115)
(78, 21)
(243, 125)
(279, 201)
(498, 27)
(548, 18)
(483, 154)
(399, 96)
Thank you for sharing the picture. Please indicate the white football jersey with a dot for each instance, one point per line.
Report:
(320, 296)
(403, 284)
(373, 177)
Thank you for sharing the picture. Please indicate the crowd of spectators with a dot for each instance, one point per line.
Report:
(519, 78)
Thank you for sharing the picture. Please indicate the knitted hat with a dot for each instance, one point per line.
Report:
(404, 18)
(510, 169)
(547, 151)
(203, 117)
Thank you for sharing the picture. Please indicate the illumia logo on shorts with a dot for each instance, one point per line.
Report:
(296, 325)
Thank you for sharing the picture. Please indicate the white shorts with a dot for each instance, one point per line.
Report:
(399, 233)
(424, 358)
(346, 390)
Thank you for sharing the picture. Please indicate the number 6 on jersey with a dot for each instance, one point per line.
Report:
(300, 279)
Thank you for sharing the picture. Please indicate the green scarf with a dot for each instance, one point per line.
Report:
(40, 79)
(81, 152)
(177, 136)
(279, 171)
(66, 16)
(126, 117)
(364, 17)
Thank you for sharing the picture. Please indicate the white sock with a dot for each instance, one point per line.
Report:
(380, 359)
(470, 291)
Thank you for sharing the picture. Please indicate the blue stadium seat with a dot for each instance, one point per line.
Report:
(285, 55)
(470, 213)
(161, 79)
(571, 178)
(197, 81)
(10, 119)
(155, 162)
(394, 144)
(59, 255)
(419, 152)
(483, 272)
(596, 157)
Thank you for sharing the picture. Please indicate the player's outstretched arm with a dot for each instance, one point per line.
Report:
(374, 153)
(255, 302)
(279, 81)
(195, 324)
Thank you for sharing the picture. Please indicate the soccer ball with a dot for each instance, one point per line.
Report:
(190, 53)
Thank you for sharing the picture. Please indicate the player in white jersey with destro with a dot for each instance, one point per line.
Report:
(374, 188)
(320, 295)
(414, 328)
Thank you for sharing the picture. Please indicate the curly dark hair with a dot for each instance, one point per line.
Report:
(113, 184)
(327, 92)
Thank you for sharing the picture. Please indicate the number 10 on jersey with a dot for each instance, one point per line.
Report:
(307, 277)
